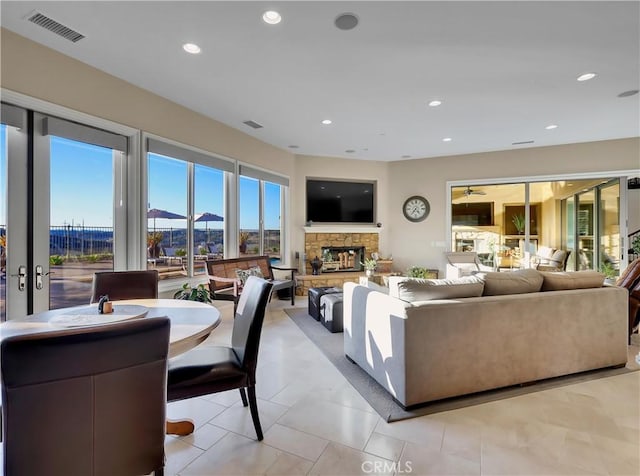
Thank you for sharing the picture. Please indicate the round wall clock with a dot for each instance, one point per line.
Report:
(416, 208)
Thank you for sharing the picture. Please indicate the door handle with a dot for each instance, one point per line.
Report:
(39, 275)
(22, 277)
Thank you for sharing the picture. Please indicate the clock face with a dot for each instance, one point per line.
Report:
(416, 208)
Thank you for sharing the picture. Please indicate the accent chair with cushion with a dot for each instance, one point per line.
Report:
(550, 259)
(86, 401)
(119, 285)
(206, 370)
(464, 263)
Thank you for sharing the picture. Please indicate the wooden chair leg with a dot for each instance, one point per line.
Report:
(253, 406)
(243, 396)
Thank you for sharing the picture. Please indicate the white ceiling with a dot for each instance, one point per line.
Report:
(504, 70)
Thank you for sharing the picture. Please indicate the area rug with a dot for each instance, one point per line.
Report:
(332, 347)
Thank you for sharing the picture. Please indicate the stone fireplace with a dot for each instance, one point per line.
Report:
(362, 245)
(342, 258)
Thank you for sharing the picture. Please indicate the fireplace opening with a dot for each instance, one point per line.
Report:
(342, 258)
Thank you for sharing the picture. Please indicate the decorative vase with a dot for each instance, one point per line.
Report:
(243, 247)
(316, 263)
(369, 272)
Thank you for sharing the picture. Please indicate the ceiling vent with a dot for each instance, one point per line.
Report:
(55, 27)
(253, 124)
(523, 142)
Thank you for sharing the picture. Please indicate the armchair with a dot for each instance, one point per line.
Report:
(464, 263)
(550, 259)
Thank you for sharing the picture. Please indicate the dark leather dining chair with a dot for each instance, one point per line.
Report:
(206, 370)
(630, 279)
(86, 401)
(119, 285)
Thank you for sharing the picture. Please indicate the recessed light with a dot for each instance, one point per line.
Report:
(271, 17)
(294, 146)
(435, 103)
(586, 76)
(346, 21)
(626, 94)
(349, 151)
(406, 157)
(447, 139)
(326, 122)
(191, 48)
(551, 126)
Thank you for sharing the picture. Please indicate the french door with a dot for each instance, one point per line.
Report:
(62, 210)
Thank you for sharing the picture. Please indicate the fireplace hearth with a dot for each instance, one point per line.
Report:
(342, 258)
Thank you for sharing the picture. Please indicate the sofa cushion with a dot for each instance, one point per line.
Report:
(563, 280)
(511, 282)
(416, 289)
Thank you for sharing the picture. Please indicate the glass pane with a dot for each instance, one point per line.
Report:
(166, 216)
(610, 230)
(569, 232)
(208, 234)
(272, 221)
(585, 228)
(489, 220)
(3, 221)
(249, 238)
(81, 230)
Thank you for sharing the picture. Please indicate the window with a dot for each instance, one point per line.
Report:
(261, 205)
(185, 203)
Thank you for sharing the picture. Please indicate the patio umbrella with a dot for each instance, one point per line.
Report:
(207, 217)
(157, 213)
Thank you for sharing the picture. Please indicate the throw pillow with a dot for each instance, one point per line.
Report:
(511, 282)
(563, 280)
(243, 274)
(417, 289)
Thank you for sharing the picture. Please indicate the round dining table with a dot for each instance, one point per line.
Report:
(191, 323)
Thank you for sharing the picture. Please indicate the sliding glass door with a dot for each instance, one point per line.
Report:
(62, 199)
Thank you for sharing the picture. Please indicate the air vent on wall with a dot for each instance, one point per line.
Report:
(55, 27)
(523, 142)
(253, 124)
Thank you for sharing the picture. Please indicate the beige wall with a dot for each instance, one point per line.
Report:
(32, 69)
(40, 72)
(329, 167)
(423, 243)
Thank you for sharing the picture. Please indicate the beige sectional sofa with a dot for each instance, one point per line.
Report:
(424, 341)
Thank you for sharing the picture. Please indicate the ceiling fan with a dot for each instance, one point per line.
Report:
(469, 191)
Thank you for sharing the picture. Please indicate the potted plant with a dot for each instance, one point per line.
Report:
(635, 245)
(369, 266)
(419, 272)
(243, 238)
(519, 223)
(188, 293)
(154, 238)
(610, 273)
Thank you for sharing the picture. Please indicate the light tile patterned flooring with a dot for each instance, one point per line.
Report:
(315, 423)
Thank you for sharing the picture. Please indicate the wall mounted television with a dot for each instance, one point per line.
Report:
(472, 214)
(340, 201)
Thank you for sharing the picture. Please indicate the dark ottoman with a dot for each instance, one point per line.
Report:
(314, 299)
(331, 306)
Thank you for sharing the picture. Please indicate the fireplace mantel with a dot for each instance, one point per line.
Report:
(341, 229)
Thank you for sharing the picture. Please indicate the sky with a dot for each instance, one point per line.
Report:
(82, 189)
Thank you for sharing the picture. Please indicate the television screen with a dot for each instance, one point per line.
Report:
(333, 201)
(472, 214)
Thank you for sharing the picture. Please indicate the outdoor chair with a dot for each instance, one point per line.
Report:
(170, 255)
(119, 285)
(464, 263)
(206, 370)
(550, 259)
(86, 401)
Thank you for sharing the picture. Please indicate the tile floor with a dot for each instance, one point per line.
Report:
(315, 423)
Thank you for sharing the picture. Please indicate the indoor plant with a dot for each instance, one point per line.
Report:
(369, 266)
(200, 293)
(519, 223)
